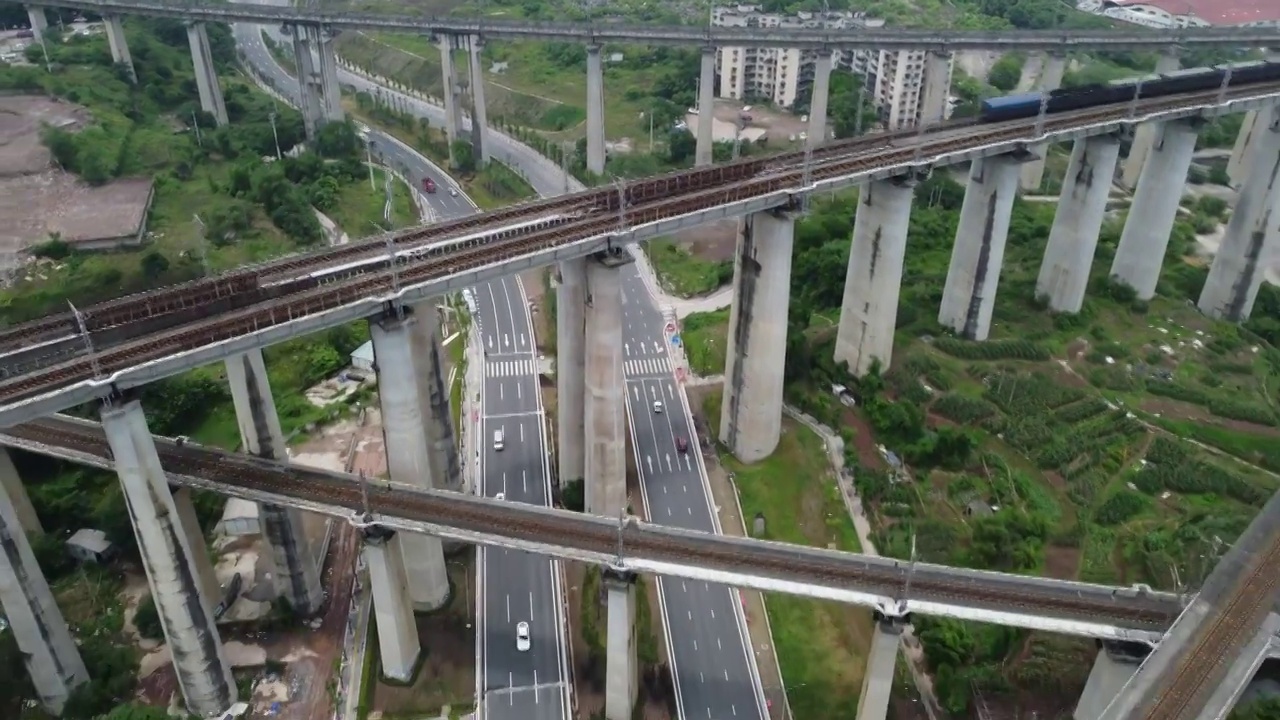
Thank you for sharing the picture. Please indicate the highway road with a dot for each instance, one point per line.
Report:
(513, 586)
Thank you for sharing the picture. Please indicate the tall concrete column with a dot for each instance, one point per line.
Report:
(39, 21)
(1068, 256)
(571, 303)
(869, 312)
(479, 112)
(119, 46)
(206, 73)
(310, 84)
(11, 485)
(48, 650)
(751, 414)
(936, 92)
(433, 386)
(1144, 136)
(970, 293)
(877, 678)
(198, 658)
(605, 403)
(1140, 253)
(260, 432)
(331, 89)
(398, 642)
(1112, 669)
(452, 111)
(405, 434)
(1252, 233)
(622, 665)
(1238, 164)
(595, 111)
(818, 99)
(706, 107)
(206, 577)
(1055, 66)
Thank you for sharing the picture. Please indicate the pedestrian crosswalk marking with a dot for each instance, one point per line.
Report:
(510, 368)
(648, 366)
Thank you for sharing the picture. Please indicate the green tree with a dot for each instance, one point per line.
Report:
(1007, 72)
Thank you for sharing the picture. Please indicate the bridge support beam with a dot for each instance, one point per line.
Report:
(1055, 66)
(970, 293)
(1242, 671)
(818, 99)
(310, 83)
(398, 642)
(11, 485)
(622, 665)
(202, 669)
(1140, 254)
(48, 650)
(869, 312)
(328, 57)
(1144, 137)
(1252, 233)
(452, 106)
(119, 46)
(296, 576)
(479, 112)
(206, 577)
(595, 111)
(1238, 165)
(706, 107)
(937, 88)
(571, 306)
(877, 679)
(751, 415)
(1112, 669)
(404, 431)
(206, 74)
(39, 22)
(433, 387)
(1068, 256)
(605, 404)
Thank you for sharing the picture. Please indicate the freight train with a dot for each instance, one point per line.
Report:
(1027, 105)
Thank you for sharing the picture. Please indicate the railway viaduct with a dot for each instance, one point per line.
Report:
(408, 571)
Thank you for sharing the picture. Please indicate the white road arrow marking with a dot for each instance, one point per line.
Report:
(668, 462)
(649, 459)
(506, 339)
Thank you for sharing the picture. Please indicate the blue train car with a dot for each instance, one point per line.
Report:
(1010, 107)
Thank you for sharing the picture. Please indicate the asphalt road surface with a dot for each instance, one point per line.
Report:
(515, 586)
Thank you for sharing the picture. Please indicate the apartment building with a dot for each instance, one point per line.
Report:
(896, 80)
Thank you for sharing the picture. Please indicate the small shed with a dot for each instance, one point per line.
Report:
(362, 358)
(91, 546)
(978, 508)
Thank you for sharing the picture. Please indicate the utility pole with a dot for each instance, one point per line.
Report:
(272, 117)
(88, 343)
(200, 248)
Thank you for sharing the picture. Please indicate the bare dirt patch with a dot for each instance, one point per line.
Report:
(1177, 410)
(1061, 563)
(778, 126)
(714, 242)
(22, 117)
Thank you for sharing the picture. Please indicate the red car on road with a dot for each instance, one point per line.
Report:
(429, 185)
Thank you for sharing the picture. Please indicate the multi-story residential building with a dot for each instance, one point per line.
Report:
(895, 80)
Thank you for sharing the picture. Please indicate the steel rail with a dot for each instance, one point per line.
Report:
(861, 38)
(48, 382)
(560, 531)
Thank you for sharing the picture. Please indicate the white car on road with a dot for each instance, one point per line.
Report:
(522, 637)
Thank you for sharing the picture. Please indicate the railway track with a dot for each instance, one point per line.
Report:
(241, 473)
(663, 203)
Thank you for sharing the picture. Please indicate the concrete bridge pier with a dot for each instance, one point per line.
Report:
(1144, 137)
(1115, 664)
(49, 652)
(869, 312)
(479, 112)
(310, 84)
(1140, 254)
(405, 434)
(39, 21)
(452, 107)
(1055, 66)
(1252, 233)
(817, 132)
(119, 46)
(937, 87)
(202, 669)
(11, 485)
(970, 292)
(1238, 164)
(328, 58)
(1082, 205)
(260, 432)
(706, 107)
(442, 438)
(595, 111)
(571, 306)
(751, 413)
(622, 664)
(398, 642)
(877, 679)
(206, 73)
(206, 577)
(605, 402)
